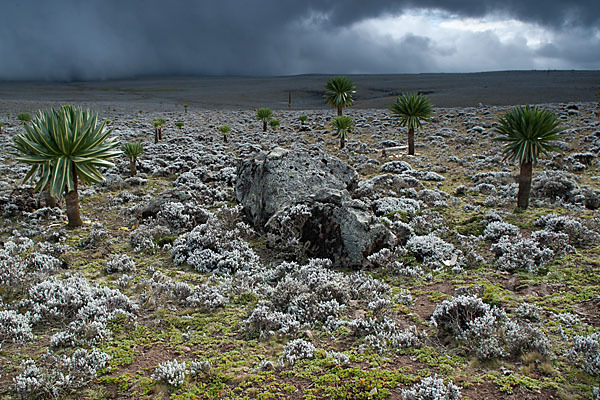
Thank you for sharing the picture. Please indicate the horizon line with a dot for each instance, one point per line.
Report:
(167, 76)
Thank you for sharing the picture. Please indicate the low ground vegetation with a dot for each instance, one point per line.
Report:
(167, 291)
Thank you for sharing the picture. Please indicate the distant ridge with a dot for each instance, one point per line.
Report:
(373, 91)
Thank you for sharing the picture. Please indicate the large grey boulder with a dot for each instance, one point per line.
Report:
(306, 196)
(269, 180)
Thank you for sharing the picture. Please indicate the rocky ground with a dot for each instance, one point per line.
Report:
(262, 266)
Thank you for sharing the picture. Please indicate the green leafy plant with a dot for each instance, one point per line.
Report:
(339, 93)
(342, 126)
(63, 146)
(179, 124)
(24, 117)
(264, 115)
(224, 130)
(274, 123)
(412, 109)
(527, 132)
(158, 124)
(302, 119)
(133, 151)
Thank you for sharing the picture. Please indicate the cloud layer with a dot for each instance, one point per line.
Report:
(106, 39)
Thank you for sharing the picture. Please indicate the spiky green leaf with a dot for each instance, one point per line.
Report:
(339, 91)
(59, 142)
(342, 125)
(528, 132)
(264, 114)
(412, 109)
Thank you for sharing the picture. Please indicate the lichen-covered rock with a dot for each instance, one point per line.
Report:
(265, 183)
(305, 198)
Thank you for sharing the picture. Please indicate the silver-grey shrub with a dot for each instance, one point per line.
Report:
(496, 229)
(97, 234)
(210, 248)
(519, 337)
(383, 333)
(310, 294)
(12, 270)
(57, 376)
(171, 372)
(14, 327)
(528, 311)
(144, 237)
(586, 351)
(430, 249)
(296, 350)
(338, 358)
(85, 308)
(43, 263)
(119, 263)
(432, 388)
(579, 234)
(266, 321)
(384, 258)
(427, 222)
(210, 295)
(487, 329)
(557, 241)
(182, 216)
(454, 316)
(387, 205)
(74, 297)
(520, 254)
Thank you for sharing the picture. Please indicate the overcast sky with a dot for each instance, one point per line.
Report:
(105, 39)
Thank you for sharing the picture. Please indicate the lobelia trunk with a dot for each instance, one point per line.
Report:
(132, 167)
(160, 133)
(342, 142)
(264, 126)
(72, 200)
(339, 111)
(524, 185)
(411, 141)
(155, 136)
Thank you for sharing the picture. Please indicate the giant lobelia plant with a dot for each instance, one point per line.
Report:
(342, 125)
(132, 150)
(412, 109)
(264, 115)
(339, 93)
(64, 146)
(527, 132)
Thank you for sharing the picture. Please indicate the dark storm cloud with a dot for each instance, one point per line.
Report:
(101, 39)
